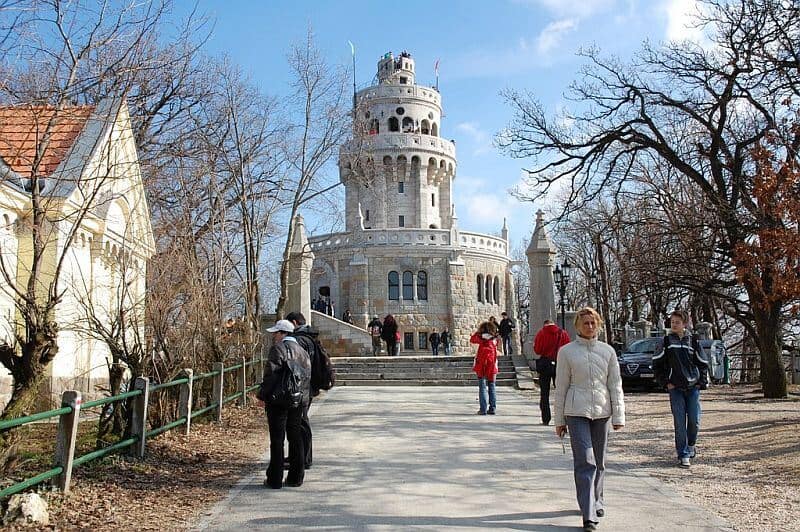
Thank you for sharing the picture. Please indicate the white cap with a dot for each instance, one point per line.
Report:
(282, 326)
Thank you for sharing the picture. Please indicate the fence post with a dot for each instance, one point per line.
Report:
(139, 415)
(726, 364)
(793, 362)
(218, 390)
(65, 439)
(185, 399)
(243, 381)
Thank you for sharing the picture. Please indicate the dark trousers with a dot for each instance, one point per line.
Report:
(507, 344)
(390, 347)
(547, 374)
(435, 349)
(305, 430)
(285, 423)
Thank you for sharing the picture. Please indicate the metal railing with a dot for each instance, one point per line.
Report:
(71, 406)
(745, 368)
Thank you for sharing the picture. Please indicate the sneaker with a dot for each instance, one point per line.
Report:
(491, 412)
(480, 413)
(692, 451)
(685, 462)
(589, 525)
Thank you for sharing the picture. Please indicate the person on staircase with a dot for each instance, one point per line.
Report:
(375, 327)
(435, 339)
(388, 334)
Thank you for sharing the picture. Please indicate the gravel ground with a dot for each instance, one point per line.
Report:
(747, 470)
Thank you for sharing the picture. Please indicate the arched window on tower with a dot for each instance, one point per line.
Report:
(422, 286)
(394, 124)
(434, 130)
(408, 125)
(425, 127)
(408, 286)
(415, 162)
(394, 286)
(480, 288)
(496, 290)
(488, 289)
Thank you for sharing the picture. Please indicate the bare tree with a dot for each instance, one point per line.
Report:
(700, 112)
(319, 124)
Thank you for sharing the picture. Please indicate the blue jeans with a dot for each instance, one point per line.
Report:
(507, 345)
(435, 349)
(482, 394)
(685, 406)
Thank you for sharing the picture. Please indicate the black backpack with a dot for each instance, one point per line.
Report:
(323, 376)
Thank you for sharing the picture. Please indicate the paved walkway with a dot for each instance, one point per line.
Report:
(418, 458)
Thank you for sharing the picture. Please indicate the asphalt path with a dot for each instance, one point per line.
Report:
(418, 458)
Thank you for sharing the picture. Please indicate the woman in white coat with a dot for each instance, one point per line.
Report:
(588, 399)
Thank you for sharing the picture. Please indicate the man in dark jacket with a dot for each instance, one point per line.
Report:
(506, 326)
(546, 344)
(680, 366)
(284, 422)
(308, 338)
(434, 338)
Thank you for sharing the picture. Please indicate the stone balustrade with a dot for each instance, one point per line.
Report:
(407, 92)
(399, 141)
(493, 244)
(409, 237)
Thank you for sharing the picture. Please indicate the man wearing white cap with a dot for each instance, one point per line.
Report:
(283, 421)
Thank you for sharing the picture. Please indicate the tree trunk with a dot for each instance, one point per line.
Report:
(773, 373)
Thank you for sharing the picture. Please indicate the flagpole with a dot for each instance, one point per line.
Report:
(353, 53)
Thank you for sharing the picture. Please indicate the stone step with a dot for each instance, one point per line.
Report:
(406, 382)
(417, 375)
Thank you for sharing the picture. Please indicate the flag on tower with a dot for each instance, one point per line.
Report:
(352, 48)
(436, 71)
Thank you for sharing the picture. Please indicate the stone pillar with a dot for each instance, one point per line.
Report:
(703, 330)
(358, 301)
(301, 259)
(541, 259)
(643, 328)
(462, 324)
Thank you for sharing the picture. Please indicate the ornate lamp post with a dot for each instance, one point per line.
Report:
(561, 278)
(594, 284)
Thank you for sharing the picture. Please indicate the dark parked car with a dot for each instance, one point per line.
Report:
(636, 362)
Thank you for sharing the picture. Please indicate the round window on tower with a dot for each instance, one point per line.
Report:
(430, 115)
(400, 111)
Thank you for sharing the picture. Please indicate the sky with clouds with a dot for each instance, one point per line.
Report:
(483, 47)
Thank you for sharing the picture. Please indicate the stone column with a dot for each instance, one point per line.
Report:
(301, 259)
(358, 300)
(643, 328)
(703, 330)
(461, 323)
(541, 259)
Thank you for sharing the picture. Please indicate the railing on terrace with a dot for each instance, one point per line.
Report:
(72, 406)
(399, 140)
(396, 91)
(745, 368)
(410, 236)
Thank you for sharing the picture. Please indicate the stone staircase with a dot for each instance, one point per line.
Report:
(416, 371)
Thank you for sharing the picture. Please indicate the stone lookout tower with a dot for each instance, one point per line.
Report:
(402, 252)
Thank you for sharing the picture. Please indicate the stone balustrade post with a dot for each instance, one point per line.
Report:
(139, 415)
(65, 439)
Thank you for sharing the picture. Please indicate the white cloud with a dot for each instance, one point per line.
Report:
(552, 34)
(480, 138)
(681, 21)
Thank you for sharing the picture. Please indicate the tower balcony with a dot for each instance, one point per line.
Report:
(408, 93)
(398, 142)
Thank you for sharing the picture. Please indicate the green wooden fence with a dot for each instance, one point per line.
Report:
(71, 407)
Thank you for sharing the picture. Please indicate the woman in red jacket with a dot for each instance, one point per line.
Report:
(485, 366)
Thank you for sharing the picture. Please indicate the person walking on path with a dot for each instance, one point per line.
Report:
(485, 366)
(308, 338)
(680, 366)
(435, 338)
(374, 327)
(285, 422)
(588, 397)
(347, 317)
(446, 338)
(546, 344)
(388, 334)
(506, 328)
